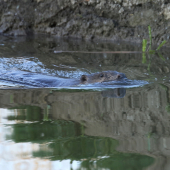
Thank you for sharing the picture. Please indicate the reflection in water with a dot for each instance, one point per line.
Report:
(65, 140)
(80, 129)
(117, 93)
(51, 120)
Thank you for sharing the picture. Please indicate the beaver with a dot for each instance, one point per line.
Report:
(102, 77)
(41, 80)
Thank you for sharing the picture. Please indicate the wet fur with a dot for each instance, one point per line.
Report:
(40, 80)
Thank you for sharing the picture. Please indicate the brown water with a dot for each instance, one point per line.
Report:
(60, 129)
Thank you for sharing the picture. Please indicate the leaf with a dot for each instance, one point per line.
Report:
(163, 42)
(144, 45)
(151, 51)
(150, 36)
(161, 56)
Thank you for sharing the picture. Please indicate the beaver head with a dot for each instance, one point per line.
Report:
(102, 77)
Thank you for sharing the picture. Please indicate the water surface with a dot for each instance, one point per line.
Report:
(120, 127)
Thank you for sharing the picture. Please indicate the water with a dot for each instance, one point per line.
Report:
(124, 127)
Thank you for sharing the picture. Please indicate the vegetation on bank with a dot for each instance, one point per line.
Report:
(149, 49)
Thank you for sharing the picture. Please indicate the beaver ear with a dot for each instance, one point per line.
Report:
(83, 78)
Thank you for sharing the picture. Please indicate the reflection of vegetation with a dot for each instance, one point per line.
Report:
(164, 87)
(149, 65)
(60, 140)
(149, 136)
(63, 140)
(78, 148)
(168, 100)
(168, 108)
(120, 161)
(46, 113)
(149, 56)
(31, 113)
(44, 131)
(28, 113)
(11, 98)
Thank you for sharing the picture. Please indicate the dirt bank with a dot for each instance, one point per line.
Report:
(88, 19)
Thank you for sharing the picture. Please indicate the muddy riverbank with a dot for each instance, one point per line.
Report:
(90, 19)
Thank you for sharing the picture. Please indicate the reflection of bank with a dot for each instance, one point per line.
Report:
(114, 93)
(65, 140)
(130, 119)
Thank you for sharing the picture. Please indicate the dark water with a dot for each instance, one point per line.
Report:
(86, 128)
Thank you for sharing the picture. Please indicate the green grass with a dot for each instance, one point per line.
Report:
(150, 50)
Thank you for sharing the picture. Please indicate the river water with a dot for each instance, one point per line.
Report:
(84, 128)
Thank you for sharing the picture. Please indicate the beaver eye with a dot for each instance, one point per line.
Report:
(119, 76)
(101, 75)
